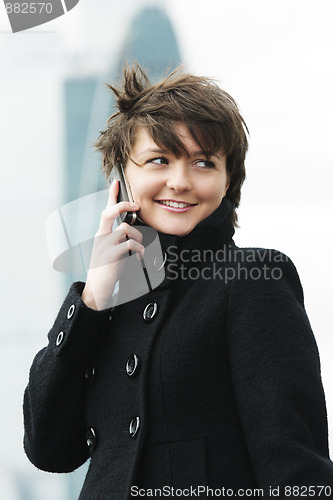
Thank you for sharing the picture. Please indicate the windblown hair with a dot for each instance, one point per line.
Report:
(211, 115)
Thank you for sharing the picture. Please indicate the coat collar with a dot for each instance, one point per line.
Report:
(211, 233)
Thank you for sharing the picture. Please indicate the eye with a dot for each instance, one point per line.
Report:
(161, 160)
(204, 164)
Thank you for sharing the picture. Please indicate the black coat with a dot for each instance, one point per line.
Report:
(227, 389)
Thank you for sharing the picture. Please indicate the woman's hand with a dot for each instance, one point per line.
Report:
(109, 251)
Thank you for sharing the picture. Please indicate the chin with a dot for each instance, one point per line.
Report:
(176, 231)
(168, 227)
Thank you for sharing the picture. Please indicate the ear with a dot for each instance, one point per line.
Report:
(227, 185)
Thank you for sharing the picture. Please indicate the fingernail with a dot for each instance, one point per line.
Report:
(135, 205)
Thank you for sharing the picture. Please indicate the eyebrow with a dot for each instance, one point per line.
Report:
(198, 153)
(164, 151)
(154, 150)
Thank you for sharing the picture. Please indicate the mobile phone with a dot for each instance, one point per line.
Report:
(124, 194)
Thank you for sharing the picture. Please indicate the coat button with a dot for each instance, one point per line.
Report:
(91, 438)
(89, 374)
(70, 311)
(159, 261)
(132, 365)
(150, 311)
(60, 338)
(134, 426)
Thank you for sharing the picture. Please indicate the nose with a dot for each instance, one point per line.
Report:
(179, 178)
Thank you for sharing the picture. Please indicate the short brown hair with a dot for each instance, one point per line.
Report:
(211, 115)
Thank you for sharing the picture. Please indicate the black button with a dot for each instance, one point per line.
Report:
(159, 261)
(132, 365)
(60, 338)
(89, 375)
(134, 426)
(91, 438)
(150, 311)
(70, 311)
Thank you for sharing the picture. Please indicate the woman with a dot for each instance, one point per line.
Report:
(209, 384)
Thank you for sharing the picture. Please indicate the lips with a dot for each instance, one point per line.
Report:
(175, 204)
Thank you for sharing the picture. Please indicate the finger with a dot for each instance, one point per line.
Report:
(139, 255)
(110, 213)
(105, 242)
(134, 247)
(107, 215)
(115, 253)
(130, 231)
(113, 193)
(130, 246)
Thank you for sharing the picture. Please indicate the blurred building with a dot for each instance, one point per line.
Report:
(152, 43)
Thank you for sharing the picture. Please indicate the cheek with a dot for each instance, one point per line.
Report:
(213, 193)
(142, 189)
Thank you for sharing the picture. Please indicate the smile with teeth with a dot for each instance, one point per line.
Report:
(175, 204)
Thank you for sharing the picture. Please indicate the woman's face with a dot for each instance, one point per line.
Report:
(175, 194)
